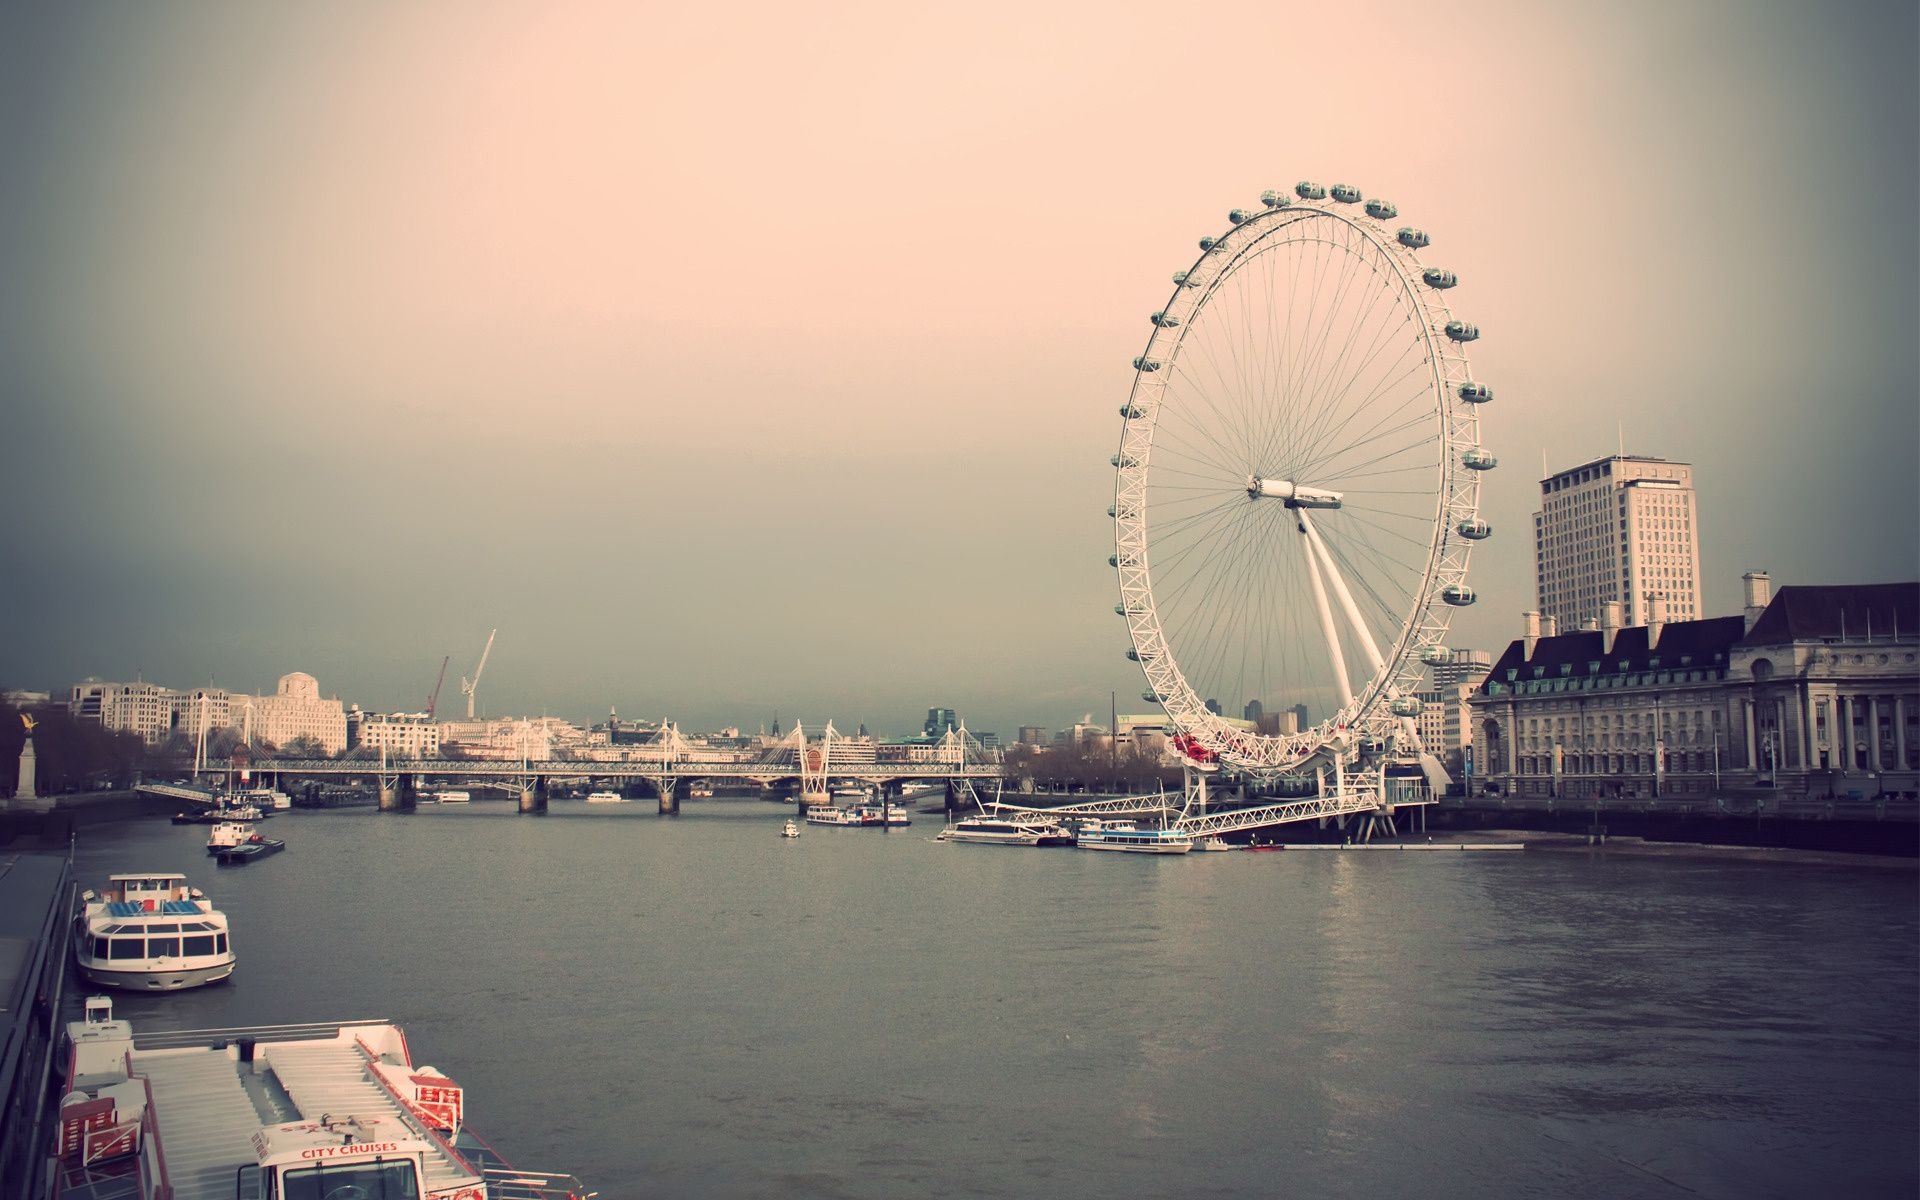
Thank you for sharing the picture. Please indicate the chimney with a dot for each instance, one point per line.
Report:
(1759, 587)
(1549, 626)
(1532, 636)
(1656, 620)
(1590, 625)
(1609, 625)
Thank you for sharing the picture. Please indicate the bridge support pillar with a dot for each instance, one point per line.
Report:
(533, 796)
(668, 787)
(389, 795)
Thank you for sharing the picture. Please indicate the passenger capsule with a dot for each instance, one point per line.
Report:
(1462, 331)
(1113, 510)
(1474, 529)
(1150, 697)
(1209, 242)
(1435, 655)
(1132, 411)
(1406, 706)
(1414, 239)
(1439, 280)
(1164, 321)
(1113, 560)
(1134, 655)
(1346, 193)
(1477, 459)
(1143, 363)
(1239, 216)
(1119, 610)
(1306, 189)
(1458, 594)
(1185, 279)
(1380, 210)
(1475, 393)
(1273, 199)
(1128, 460)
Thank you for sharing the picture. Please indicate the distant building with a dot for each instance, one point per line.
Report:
(141, 708)
(1617, 530)
(1032, 735)
(1468, 667)
(295, 710)
(939, 720)
(1213, 706)
(1300, 719)
(400, 735)
(1254, 711)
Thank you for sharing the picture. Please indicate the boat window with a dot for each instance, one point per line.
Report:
(220, 940)
(360, 1181)
(125, 947)
(130, 929)
(100, 947)
(163, 947)
(198, 944)
(175, 928)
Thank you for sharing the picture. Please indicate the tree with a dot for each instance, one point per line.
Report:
(303, 747)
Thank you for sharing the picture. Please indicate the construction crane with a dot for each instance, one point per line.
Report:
(433, 698)
(468, 685)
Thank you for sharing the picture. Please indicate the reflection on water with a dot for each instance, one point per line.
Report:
(698, 1007)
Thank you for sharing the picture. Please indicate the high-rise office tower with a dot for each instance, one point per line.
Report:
(1621, 528)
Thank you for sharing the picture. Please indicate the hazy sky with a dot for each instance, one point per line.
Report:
(748, 359)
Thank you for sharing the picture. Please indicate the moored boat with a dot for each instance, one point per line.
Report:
(827, 814)
(151, 933)
(888, 814)
(606, 798)
(333, 1111)
(1007, 831)
(453, 798)
(1095, 834)
(791, 831)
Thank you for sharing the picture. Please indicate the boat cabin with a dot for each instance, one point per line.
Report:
(149, 893)
(352, 1156)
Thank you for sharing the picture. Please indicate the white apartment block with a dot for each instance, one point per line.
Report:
(1617, 529)
(401, 735)
(142, 708)
(294, 710)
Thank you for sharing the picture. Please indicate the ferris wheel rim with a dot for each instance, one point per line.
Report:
(1445, 371)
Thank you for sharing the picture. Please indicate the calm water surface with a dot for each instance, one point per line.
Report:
(696, 1007)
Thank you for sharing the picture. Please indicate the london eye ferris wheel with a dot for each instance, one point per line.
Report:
(1297, 484)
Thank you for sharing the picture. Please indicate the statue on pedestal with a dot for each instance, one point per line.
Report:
(28, 765)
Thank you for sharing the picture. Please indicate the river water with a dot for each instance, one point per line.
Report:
(696, 1007)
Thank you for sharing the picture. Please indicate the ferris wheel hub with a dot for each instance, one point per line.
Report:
(1295, 495)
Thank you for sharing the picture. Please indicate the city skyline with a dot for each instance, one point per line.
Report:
(754, 383)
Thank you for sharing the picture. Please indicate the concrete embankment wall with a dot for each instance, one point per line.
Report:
(50, 821)
(1900, 838)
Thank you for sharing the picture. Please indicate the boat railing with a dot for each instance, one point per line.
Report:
(175, 1039)
(507, 1184)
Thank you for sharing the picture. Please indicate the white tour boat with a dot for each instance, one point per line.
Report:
(606, 798)
(827, 814)
(151, 933)
(889, 814)
(1007, 831)
(1096, 834)
(791, 829)
(334, 1111)
(453, 798)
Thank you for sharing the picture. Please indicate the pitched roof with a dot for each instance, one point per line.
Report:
(1703, 643)
(1831, 611)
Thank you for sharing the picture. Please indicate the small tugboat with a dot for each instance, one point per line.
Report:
(791, 830)
(235, 844)
(333, 1111)
(151, 933)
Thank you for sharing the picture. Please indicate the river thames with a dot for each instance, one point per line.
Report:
(696, 1007)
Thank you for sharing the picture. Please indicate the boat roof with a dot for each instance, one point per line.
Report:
(333, 1137)
(146, 875)
(168, 908)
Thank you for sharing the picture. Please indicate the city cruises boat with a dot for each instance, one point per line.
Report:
(891, 815)
(333, 1111)
(1096, 834)
(151, 933)
(453, 798)
(700, 791)
(1007, 831)
(606, 798)
(267, 800)
(827, 814)
(791, 829)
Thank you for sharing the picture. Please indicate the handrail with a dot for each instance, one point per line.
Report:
(173, 1039)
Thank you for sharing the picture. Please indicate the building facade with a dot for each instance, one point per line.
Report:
(399, 735)
(1622, 529)
(146, 709)
(1815, 691)
(295, 710)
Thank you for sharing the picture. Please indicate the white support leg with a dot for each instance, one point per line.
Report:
(1326, 617)
(1340, 589)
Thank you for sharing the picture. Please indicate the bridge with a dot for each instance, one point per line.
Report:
(957, 760)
